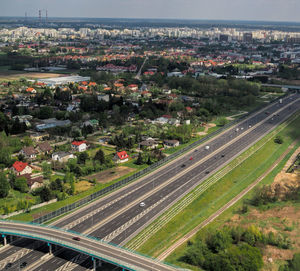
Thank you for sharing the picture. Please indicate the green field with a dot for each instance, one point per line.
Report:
(219, 194)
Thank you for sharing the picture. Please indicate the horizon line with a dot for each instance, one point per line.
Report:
(163, 19)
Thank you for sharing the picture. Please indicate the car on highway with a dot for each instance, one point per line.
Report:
(207, 147)
(183, 165)
(191, 158)
(207, 171)
(142, 204)
(76, 238)
(23, 264)
(223, 155)
(9, 265)
(250, 126)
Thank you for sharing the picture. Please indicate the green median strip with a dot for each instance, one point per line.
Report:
(214, 192)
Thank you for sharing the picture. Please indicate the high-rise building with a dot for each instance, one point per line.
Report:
(247, 37)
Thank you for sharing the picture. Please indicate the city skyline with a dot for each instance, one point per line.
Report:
(256, 10)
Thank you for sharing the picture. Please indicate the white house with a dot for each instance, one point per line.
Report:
(62, 156)
(79, 146)
(171, 143)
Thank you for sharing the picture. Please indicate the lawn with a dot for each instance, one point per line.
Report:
(219, 193)
(14, 197)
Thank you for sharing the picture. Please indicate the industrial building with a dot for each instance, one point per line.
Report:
(52, 82)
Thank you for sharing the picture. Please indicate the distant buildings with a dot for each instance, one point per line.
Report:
(52, 82)
(52, 123)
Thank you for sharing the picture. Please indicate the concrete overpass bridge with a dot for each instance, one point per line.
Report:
(95, 248)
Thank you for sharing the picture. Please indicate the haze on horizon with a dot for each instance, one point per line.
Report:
(261, 10)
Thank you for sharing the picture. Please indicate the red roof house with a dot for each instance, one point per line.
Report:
(121, 157)
(21, 168)
(79, 145)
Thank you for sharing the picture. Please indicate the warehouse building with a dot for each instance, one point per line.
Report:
(57, 81)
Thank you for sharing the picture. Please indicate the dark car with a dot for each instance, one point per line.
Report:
(183, 165)
(9, 265)
(23, 264)
(76, 238)
(207, 171)
(223, 155)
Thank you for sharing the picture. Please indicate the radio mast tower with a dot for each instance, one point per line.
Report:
(40, 15)
(46, 15)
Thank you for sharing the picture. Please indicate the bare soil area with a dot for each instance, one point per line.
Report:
(110, 174)
(30, 75)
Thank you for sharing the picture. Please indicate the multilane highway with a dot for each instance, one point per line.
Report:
(118, 217)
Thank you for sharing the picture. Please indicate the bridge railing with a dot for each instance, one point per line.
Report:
(139, 174)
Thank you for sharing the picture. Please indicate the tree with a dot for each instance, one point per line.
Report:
(222, 121)
(27, 141)
(83, 156)
(100, 156)
(139, 160)
(21, 185)
(46, 170)
(4, 186)
(45, 194)
(278, 140)
(219, 240)
(45, 112)
(149, 162)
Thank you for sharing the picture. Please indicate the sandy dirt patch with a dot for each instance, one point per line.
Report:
(201, 133)
(110, 174)
(82, 186)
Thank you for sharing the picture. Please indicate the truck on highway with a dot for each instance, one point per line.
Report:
(280, 101)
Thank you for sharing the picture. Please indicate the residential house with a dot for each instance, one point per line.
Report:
(31, 90)
(33, 183)
(171, 143)
(121, 157)
(79, 146)
(29, 152)
(45, 147)
(62, 156)
(148, 144)
(39, 136)
(20, 168)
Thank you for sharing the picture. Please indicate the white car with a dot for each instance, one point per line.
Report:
(142, 204)
(207, 147)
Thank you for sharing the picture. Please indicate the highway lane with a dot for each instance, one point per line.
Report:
(153, 184)
(186, 181)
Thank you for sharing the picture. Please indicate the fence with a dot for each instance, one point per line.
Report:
(138, 174)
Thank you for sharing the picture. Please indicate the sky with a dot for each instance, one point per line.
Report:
(258, 10)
